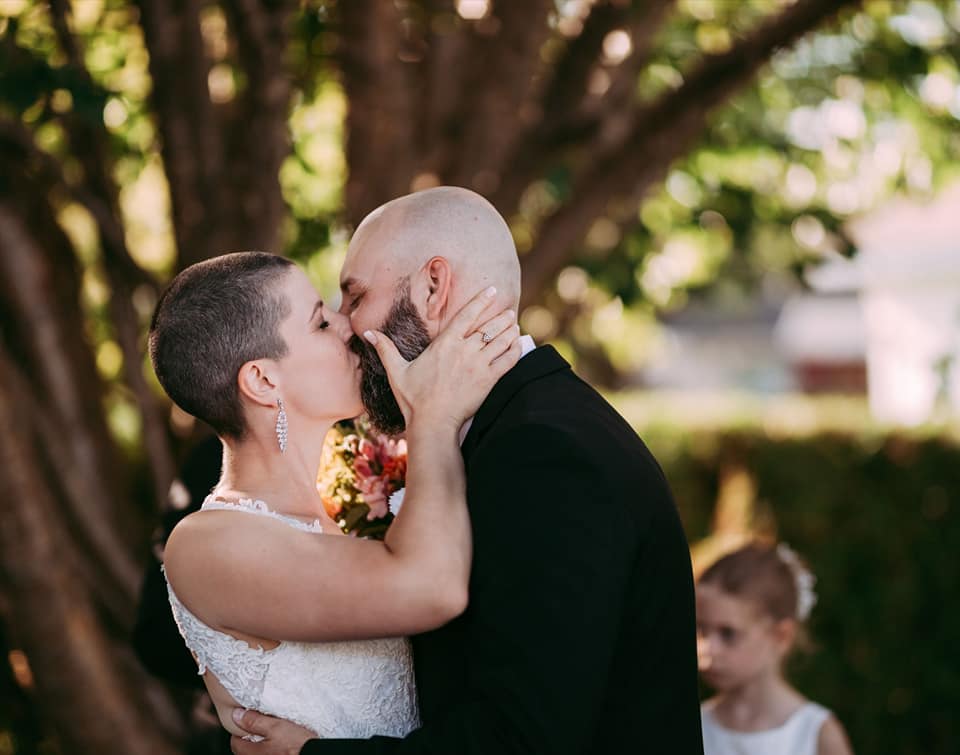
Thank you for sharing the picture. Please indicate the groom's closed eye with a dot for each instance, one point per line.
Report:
(353, 293)
(354, 301)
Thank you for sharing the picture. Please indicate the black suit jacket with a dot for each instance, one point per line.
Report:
(579, 638)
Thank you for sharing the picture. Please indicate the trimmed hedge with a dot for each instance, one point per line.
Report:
(878, 519)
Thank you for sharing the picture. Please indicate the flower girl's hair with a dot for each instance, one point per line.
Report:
(771, 576)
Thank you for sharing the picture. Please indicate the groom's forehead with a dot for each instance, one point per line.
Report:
(351, 285)
(367, 264)
(358, 280)
(355, 272)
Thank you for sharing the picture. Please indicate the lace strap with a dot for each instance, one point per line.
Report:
(252, 506)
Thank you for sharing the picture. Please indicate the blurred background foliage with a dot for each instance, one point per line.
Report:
(648, 155)
(831, 127)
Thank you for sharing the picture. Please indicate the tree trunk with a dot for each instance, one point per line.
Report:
(380, 91)
(55, 622)
(47, 341)
(222, 160)
(64, 563)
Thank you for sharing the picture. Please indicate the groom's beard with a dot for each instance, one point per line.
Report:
(409, 333)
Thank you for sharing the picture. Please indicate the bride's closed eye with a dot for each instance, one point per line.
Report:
(321, 322)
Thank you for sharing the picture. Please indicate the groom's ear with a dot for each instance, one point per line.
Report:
(439, 282)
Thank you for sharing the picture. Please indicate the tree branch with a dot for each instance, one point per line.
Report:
(570, 113)
(89, 146)
(99, 197)
(504, 62)
(664, 130)
(445, 55)
(381, 92)
(257, 134)
(605, 114)
(188, 124)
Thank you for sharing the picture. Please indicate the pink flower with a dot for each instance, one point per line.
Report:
(374, 491)
(368, 449)
(361, 465)
(392, 449)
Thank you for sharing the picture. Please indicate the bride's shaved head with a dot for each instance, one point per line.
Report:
(450, 222)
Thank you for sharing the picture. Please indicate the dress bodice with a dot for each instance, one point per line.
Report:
(796, 736)
(350, 689)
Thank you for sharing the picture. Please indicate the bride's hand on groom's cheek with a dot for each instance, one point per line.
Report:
(279, 737)
(450, 379)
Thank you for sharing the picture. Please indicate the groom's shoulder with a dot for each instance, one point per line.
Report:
(543, 403)
(565, 401)
(562, 412)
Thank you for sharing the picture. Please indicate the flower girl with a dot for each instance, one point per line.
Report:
(751, 606)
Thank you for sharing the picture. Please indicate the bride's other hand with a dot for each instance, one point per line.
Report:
(452, 377)
(277, 737)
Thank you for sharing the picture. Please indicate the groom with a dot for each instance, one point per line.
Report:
(579, 637)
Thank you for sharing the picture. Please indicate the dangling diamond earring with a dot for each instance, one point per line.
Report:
(281, 427)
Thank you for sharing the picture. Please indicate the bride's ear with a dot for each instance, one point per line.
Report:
(256, 383)
(439, 279)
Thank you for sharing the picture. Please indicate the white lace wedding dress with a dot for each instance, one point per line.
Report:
(354, 689)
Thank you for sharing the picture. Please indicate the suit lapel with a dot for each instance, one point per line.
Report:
(541, 362)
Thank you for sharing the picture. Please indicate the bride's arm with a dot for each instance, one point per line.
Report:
(262, 578)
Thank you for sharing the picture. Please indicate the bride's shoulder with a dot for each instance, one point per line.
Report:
(206, 555)
(202, 539)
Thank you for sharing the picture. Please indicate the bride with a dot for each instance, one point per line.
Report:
(284, 613)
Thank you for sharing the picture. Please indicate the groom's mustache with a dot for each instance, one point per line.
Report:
(408, 331)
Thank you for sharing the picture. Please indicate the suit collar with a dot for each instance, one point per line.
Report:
(537, 364)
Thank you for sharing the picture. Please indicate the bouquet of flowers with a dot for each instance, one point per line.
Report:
(360, 470)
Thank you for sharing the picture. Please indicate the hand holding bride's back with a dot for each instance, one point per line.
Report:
(452, 377)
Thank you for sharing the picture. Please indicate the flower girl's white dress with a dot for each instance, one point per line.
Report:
(354, 689)
(796, 736)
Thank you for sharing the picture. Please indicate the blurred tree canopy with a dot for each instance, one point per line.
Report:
(642, 152)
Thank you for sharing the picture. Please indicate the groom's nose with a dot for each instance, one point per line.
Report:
(341, 325)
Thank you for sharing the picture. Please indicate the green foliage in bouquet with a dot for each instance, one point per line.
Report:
(360, 470)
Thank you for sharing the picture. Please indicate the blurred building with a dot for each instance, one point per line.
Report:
(703, 348)
(909, 269)
(885, 323)
(894, 308)
(822, 337)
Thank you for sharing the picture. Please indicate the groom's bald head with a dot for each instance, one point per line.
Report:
(455, 224)
(411, 265)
